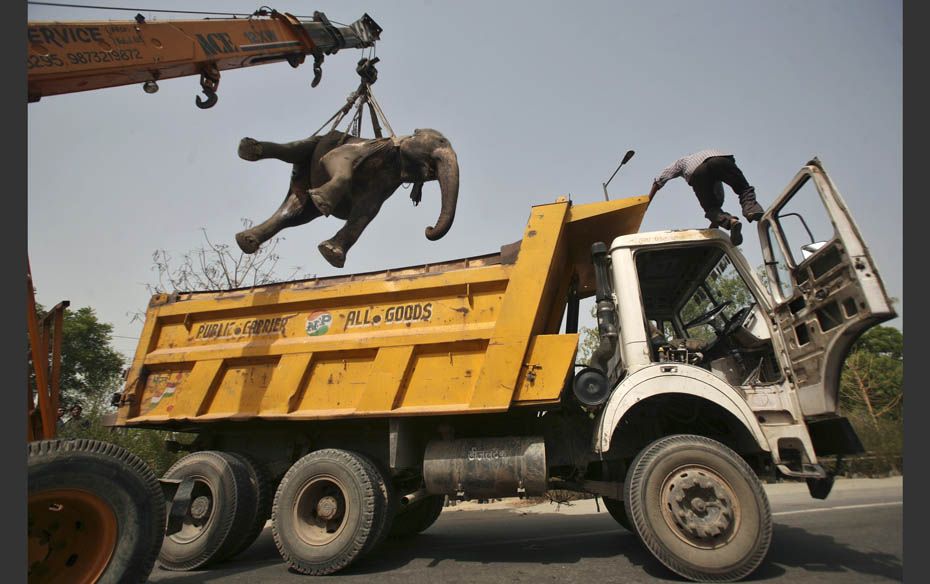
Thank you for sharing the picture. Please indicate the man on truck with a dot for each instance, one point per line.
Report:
(706, 171)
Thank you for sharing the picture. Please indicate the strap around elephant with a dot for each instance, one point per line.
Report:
(357, 100)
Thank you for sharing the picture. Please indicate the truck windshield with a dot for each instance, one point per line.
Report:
(722, 286)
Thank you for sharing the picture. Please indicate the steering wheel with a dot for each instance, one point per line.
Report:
(737, 319)
(708, 316)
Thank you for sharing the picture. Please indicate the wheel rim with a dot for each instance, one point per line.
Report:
(199, 516)
(72, 536)
(320, 510)
(700, 507)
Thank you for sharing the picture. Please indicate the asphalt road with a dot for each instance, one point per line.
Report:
(853, 536)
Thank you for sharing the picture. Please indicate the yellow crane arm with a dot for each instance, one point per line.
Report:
(67, 57)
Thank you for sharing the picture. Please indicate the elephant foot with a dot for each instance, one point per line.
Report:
(333, 254)
(322, 203)
(248, 243)
(250, 149)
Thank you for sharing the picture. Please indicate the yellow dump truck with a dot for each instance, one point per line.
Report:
(348, 408)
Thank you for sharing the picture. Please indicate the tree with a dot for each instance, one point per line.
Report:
(91, 369)
(872, 380)
(215, 266)
(588, 340)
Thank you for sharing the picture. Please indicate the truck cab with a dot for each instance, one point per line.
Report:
(710, 373)
(766, 344)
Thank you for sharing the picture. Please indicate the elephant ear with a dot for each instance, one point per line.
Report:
(371, 148)
(416, 194)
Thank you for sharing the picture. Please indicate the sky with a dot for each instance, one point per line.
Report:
(539, 100)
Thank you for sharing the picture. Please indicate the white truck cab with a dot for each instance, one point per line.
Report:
(709, 374)
(695, 318)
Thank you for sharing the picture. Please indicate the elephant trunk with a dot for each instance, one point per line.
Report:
(447, 171)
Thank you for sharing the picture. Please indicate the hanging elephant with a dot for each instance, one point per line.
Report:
(350, 178)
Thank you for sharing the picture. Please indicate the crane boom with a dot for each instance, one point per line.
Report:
(68, 57)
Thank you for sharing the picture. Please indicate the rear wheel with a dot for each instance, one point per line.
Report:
(327, 511)
(699, 508)
(221, 510)
(96, 513)
(263, 493)
(388, 502)
(417, 517)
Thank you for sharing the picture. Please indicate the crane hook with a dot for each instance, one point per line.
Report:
(209, 81)
(317, 67)
(209, 102)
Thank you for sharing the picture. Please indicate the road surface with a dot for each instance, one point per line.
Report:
(853, 536)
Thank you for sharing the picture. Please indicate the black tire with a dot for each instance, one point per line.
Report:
(327, 511)
(699, 508)
(221, 512)
(617, 510)
(385, 489)
(97, 472)
(263, 493)
(417, 517)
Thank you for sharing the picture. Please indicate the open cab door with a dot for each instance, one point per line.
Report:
(826, 287)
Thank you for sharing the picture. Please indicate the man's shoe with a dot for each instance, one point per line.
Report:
(719, 218)
(753, 211)
(736, 229)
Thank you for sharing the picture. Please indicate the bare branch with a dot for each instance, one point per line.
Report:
(214, 266)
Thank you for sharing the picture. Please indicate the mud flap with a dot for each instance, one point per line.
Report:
(834, 436)
(820, 488)
(179, 493)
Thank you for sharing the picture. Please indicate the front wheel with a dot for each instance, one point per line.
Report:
(699, 508)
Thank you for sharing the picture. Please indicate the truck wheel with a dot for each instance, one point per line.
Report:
(327, 511)
(699, 508)
(260, 484)
(385, 489)
(417, 517)
(617, 510)
(221, 510)
(96, 513)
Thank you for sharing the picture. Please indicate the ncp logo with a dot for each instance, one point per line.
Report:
(318, 323)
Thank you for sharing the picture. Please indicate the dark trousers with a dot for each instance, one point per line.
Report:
(707, 182)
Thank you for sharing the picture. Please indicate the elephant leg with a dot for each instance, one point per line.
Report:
(338, 164)
(293, 211)
(334, 250)
(328, 196)
(292, 152)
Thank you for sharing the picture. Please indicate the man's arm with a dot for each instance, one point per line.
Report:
(671, 171)
(655, 189)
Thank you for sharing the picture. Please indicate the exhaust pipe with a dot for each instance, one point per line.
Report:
(608, 331)
(413, 497)
(591, 385)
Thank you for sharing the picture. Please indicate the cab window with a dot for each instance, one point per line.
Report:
(723, 292)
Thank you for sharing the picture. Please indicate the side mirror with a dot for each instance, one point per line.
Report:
(809, 249)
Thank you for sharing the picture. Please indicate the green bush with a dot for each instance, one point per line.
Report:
(884, 445)
(149, 445)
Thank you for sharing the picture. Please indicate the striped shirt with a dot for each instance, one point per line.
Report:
(686, 165)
